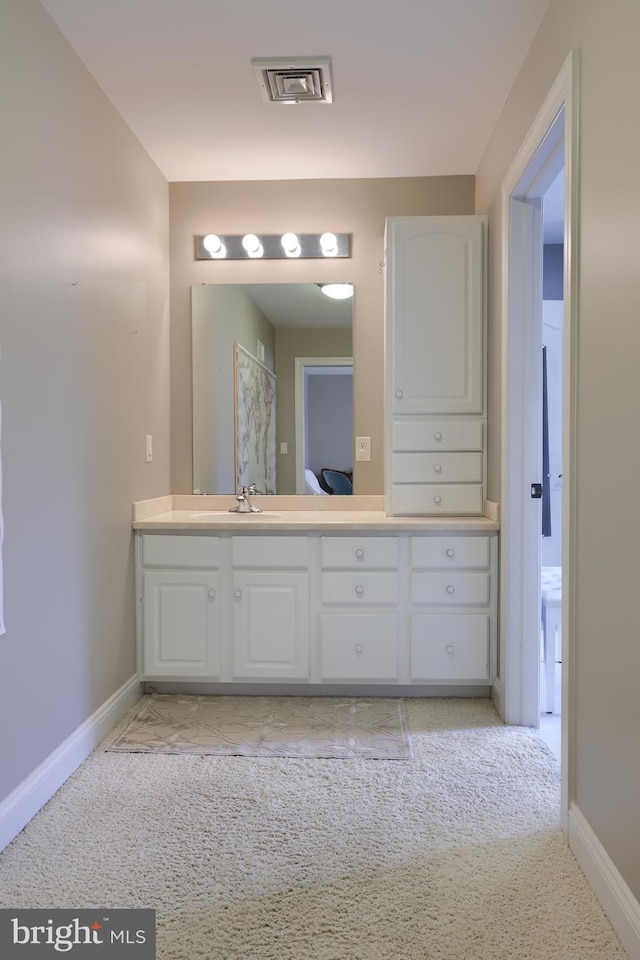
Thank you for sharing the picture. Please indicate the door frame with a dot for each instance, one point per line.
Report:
(300, 407)
(519, 593)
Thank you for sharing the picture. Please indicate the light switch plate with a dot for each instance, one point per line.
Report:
(149, 447)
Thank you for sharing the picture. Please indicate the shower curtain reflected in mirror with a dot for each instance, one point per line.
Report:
(255, 422)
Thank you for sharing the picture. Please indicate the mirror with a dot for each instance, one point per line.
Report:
(264, 348)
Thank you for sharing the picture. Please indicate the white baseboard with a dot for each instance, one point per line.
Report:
(616, 899)
(29, 796)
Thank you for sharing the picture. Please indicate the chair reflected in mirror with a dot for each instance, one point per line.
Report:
(337, 482)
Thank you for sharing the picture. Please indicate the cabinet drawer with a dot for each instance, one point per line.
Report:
(364, 588)
(449, 552)
(358, 646)
(437, 467)
(450, 588)
(448, 499)
(450, 647)
(191, 551)
(359, 552)
(269, 551)
(422, 435)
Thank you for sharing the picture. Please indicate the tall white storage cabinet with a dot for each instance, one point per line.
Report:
(435, 383)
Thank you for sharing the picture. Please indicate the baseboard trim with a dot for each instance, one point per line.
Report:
(31, 795)
(616, 899)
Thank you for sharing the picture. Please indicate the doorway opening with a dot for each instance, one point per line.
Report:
(324, 417)
(548, 152)
(551, 503)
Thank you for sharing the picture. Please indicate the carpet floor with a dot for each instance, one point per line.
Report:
(456, 855)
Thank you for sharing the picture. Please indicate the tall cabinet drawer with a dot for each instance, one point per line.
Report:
(444, 499)
(436, 435)
(437, 467)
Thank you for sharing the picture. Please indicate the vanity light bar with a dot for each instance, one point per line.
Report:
(251, 246)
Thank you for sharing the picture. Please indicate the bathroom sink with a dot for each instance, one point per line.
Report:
(226, 515)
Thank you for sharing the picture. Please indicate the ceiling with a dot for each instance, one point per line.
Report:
(418, 84)
(295, 305)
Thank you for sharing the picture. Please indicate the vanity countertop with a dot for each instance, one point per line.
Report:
(307, 520)
(185, 512)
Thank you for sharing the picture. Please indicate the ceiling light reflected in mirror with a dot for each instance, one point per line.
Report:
(337, 291)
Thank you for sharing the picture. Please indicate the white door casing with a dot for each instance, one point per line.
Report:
(553, 133)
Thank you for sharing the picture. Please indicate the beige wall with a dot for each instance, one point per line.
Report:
(606, 659)
(84, 375)
(358, 207)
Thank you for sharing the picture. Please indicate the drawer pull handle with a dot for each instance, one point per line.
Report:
(450, 649)
(451, 552)
(359, 590)
(437, 499)
(451, 588)
(212, 594)
(237, 594)
(360, 554)
(359, 648)
(399, 394)
(437, 467)
(437, 435)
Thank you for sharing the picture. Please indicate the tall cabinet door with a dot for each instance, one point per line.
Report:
(435, 311)
(181, 618)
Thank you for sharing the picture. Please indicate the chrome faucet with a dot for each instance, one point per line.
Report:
(244, 503)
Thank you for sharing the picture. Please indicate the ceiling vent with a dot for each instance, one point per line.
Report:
(294, 80)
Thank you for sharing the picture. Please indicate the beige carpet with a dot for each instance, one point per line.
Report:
(323, 727)
(456, 855)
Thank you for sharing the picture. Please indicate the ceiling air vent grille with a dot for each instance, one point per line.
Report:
(294, 80)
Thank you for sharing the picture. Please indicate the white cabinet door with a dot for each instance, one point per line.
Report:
(181, 624)
(271, 625)
(435, 314)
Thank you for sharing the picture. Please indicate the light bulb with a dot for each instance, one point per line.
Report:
(329, 244)
(252, 245)
(214, 245)
(291, 244)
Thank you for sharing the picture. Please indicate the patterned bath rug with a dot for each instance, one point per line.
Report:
(322, 727)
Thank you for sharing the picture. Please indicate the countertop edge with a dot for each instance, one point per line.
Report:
(313, 521)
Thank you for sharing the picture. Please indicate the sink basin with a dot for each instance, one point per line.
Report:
(226, 515)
